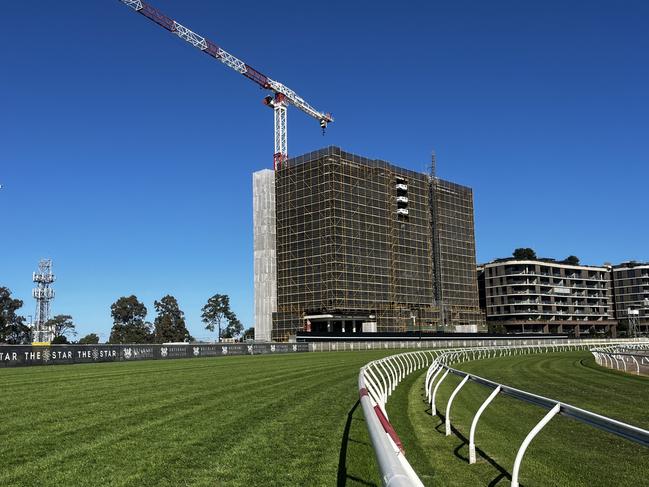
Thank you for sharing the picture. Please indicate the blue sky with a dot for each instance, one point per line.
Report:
(126, 155)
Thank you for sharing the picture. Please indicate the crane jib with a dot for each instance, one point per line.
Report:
(257, 77)
(158, 17)
(283, 94)
(251, 73)
(212, 49)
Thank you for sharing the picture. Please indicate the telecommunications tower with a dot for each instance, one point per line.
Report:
(43, 294)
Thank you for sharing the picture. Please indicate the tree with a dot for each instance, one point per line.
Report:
(170, 322)
(571, 260)
(496, 329)
(249, 334)
(623, 328)
(60, 340)
(524, 253)
(62, 325)
(216, 311)
(12, 327)
(128, 322)
(90, 339)
(233, 329)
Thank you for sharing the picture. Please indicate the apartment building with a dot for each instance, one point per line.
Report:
(631, 295)
(546, 296)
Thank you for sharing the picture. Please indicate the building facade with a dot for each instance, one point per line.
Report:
(363, 245)
(543, 296)
(631, 295)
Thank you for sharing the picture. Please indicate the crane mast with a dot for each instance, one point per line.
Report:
(282, 95)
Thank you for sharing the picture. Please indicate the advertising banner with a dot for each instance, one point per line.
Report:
(25, 355)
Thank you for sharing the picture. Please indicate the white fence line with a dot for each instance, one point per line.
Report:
(378, 379)
(442, 363)
(635, 355)
(446, 343)
(376, 382)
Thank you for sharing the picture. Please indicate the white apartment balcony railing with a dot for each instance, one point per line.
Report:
(545, 274)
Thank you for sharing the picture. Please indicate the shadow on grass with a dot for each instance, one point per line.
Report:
(441, 429)
(343, 476)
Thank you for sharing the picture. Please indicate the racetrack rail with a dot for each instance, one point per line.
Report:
(626, 357)
(378, 379)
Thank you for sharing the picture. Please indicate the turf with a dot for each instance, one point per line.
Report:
(265, 420)
(565, 453)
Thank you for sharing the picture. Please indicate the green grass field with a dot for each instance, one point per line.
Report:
(294, 420)
(264, 420)
(565, 453)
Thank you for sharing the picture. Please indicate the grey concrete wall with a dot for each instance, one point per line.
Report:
(265, 266)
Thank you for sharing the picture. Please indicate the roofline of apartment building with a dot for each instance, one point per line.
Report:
(498, 262)
(632, 264)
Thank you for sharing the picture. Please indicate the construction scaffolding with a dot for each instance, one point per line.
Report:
(355, 247)
(456, 242)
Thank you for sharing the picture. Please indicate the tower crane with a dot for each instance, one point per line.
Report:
(282, 95)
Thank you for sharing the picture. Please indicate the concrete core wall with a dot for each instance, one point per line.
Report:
(265, 266)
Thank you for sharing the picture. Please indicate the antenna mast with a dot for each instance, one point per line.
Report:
(43, 294)
(433, 165)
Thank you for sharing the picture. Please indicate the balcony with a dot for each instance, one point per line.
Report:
(521, 282)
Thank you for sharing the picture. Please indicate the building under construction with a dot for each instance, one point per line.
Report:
(361, 245)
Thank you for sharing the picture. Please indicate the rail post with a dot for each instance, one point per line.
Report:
(528, 439)
(432, 401)
(450, 402)
(432, 381)
(474, 423)
(637, 365)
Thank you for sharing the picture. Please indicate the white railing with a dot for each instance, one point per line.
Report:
(628, 357)
(352, 344)
(441, 368)
(376, 382)
(378, 379)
